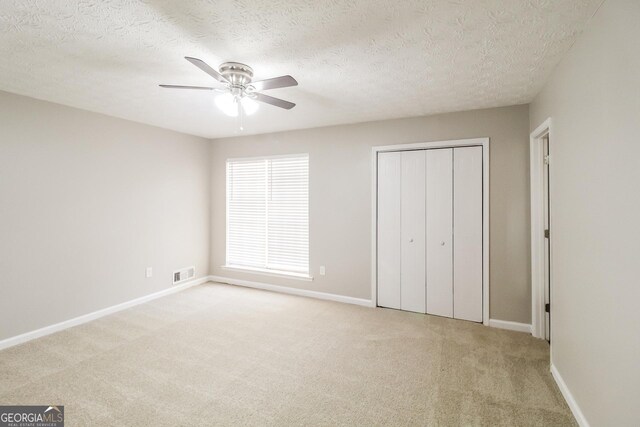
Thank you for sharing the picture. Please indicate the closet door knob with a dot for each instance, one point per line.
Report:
(410, 240)
(442, 243)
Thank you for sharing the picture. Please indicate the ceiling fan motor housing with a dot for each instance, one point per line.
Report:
(239, 75)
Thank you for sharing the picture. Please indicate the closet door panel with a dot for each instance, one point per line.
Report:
(467, 225)
(389, 172)
(439, 230)
(412, 288)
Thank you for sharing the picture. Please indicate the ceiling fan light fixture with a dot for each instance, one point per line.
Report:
(228, 104)
(249, 105)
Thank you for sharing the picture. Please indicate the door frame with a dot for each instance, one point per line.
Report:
(536, 170)
(484, 143)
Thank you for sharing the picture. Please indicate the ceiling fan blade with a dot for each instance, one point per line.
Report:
(207, 69)
(187, 87)
(274, 83)
(274, 101)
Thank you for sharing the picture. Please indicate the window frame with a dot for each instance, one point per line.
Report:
(306, 276)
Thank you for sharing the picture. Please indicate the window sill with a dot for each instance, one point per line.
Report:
(266, 272)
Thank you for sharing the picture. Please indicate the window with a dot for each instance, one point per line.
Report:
(268, 214)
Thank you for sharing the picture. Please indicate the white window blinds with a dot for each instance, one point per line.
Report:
(268, 213)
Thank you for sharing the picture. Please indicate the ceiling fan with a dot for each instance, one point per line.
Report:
(239, 93)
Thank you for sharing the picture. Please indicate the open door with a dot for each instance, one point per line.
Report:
(547, 239)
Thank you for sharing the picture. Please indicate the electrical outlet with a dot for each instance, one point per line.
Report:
(322, 270)
(148, 272)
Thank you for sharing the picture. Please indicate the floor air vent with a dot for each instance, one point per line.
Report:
(183, 275)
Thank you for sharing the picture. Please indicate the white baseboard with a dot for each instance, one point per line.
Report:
(512, 326)
(47, 330)
(292, 291)
(573, 405)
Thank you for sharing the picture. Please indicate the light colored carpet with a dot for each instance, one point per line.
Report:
(223, 355)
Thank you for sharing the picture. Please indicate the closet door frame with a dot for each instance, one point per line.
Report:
(484, 143)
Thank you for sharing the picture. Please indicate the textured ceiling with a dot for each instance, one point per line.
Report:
(355, 60)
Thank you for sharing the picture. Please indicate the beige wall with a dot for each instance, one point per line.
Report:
(340, 198)
(593, 99)
(86, 203)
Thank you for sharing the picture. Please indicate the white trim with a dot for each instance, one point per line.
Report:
(292, 291)
(537, 229)
(267, 272)
(275, 156)
(484, 142)
(512, 326)
(374, 227)
(57, 327)
(571, 402)
(432, 144)
(485, 230)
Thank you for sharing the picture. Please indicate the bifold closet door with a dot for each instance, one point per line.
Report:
(430, 231)
(439, 231)
(467, 225)
(389, 170)
(412, 212)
